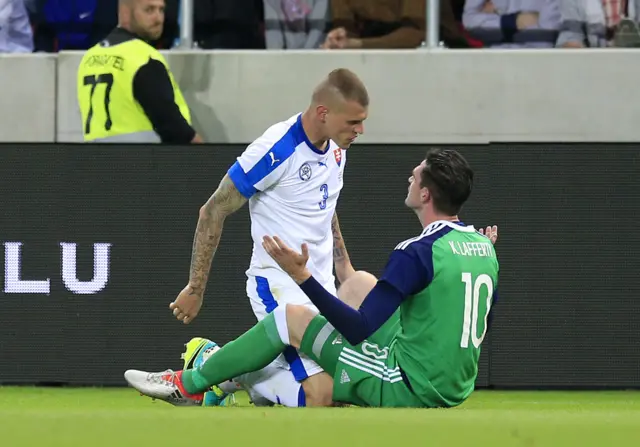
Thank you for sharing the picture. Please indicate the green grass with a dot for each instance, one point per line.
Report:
(119, 417)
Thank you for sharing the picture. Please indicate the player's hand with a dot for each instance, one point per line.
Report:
(491, 233)
(187, 305)
(336, 39)
(289, 260)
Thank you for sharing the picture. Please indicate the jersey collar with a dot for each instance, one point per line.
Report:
(302, 136)
(459, 226)
(119, 36)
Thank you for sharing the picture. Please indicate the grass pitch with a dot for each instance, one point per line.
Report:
(119, 417)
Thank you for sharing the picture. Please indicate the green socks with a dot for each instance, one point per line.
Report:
(252, 351)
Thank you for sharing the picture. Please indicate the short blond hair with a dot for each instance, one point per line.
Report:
(343, 83)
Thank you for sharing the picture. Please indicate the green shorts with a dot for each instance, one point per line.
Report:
(366, 375)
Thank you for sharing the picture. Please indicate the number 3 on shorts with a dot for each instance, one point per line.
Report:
(471, 305)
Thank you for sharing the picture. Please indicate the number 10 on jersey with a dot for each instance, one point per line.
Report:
(472, 291)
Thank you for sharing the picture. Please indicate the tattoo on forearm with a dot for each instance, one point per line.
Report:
(339, 248)
(225, 201)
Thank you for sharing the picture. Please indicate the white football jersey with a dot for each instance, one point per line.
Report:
(293, 191)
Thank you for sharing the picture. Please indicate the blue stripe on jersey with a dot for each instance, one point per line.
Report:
(275, 156)
(302, 136)
(415, 271)
(239, 179)
(290, 353)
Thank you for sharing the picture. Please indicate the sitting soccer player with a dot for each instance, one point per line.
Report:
(199, 349)
(415, 339)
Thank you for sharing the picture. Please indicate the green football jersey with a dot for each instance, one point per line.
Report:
(444, 324)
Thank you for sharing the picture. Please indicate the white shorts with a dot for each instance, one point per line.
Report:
(265, 294)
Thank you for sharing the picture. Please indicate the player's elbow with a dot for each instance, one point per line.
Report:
(355, 338)
(206, 212)
(358, 331)
(214, 211)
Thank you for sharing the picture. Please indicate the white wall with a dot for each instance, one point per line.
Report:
(28, 92)
(416, 96)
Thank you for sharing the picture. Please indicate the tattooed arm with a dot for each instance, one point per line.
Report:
(344, 269)
(224, 202)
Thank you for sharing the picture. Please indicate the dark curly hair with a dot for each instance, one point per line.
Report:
(449, 178)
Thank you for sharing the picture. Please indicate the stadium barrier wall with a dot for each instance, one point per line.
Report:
(452, 96)
(97, 241)
(28, 88)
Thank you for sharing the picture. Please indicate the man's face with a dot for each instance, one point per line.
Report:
(344, 122)
(147, 18)
(414, 194)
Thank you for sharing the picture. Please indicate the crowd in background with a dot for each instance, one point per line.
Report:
(54, 25)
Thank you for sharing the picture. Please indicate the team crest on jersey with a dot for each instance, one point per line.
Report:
(305, 172)
(338, 154)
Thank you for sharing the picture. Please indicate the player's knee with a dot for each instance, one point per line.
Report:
(298, 319)
(354, 290)
(318, 390)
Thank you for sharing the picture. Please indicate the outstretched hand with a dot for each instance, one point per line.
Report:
(289, 260)
(491, 233)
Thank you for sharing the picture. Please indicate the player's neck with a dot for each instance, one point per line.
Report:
(314, 134)
(427, 217)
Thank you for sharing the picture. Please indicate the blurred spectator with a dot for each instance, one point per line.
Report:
(599, 23)
(32, 5)
(627, 34)
(68, 24)
(229, 24)
(80, 24)
(458, 9)
(295, 24)
(171, 30)
(15, 29)
(389, 24)
(513, 23)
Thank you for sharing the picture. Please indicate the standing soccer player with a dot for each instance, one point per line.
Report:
(443, 282)
(291, 176)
